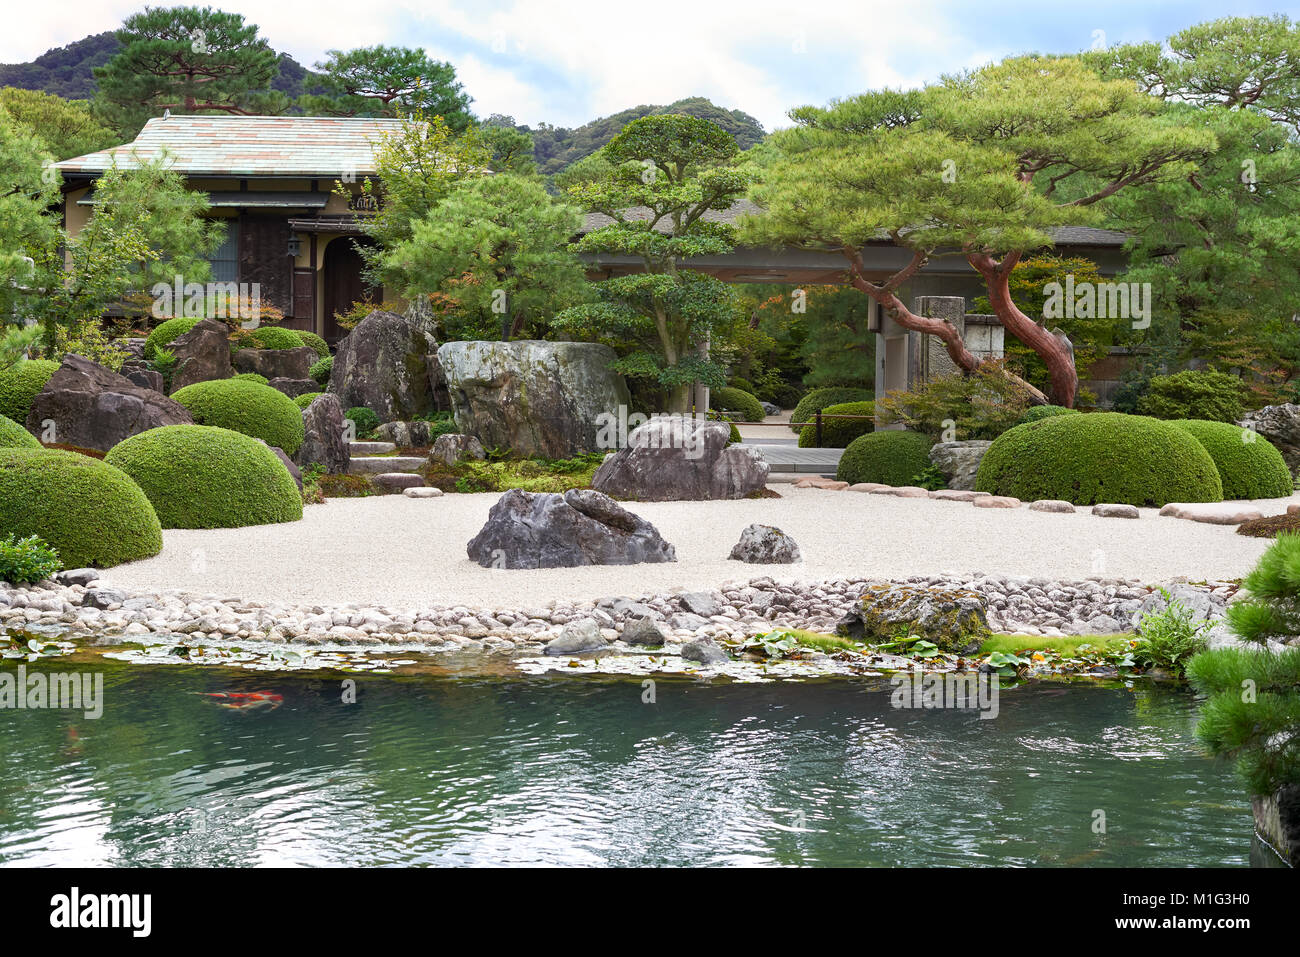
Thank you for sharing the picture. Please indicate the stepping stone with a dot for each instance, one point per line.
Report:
(1212, 513)
(380, 464)
(996, 501)
(1051, 505)
(903, 491)
(817, 481)
(422, 491)
(1293, 509)
(396, 481)
(956, 495)
(372, 448)
(866, 487)
(1116, 511)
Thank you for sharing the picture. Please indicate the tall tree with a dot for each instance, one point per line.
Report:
(664, 174)
(188, 60)
(389, 81)
(66, 128)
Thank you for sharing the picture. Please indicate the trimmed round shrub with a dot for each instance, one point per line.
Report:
(1194, 394)
(1100, 457)
(321, 369)
(273, 337)
(743, 384)
(199, 476)
(316, 342)
(14, 436)
(838, 433)
(90, 512)
(21, 383)
(247, 407)
(732, 400)
(818, 399)
(1249, 465)
(366, 420)
(1036, 412)
(166, 332)
(306, 399)
(893, 457)
(251, 377)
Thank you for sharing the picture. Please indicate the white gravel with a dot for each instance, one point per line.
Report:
(411, 552)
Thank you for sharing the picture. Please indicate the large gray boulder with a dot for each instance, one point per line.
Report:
(550, 530)
(536, 398)
(389, 364)
(324, 438)
(293, 363)
(675, 457)
(202, 354)
(959, 461)
(95, 408)
(1280, 424)
(955, 619)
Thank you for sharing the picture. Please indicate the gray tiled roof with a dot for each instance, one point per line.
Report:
(250, 146)
(1062, 236)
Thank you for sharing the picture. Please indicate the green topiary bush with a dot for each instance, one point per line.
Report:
(365, 420)
(251, 377)
(838, 433)
(14, 436)
(167, 332)
(321, 369)
(306, 399)
(1249, 465)
(26, 560)
(199, 476)
(91, 513)
(273, 337)
(1100, 457)
(893, 457)
(743, 384)
(1194, 395)
(247, 407)
(736, 401)
(1036, 412)
(316, 342)
(21, 383)
(715, 416)
(818, 399)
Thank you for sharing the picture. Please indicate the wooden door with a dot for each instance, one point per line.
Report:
(343, 283)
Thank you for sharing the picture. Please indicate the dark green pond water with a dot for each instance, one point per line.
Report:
(568, 770)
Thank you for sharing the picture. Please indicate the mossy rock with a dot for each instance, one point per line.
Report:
(93, 514)
(316, 342)
(21, 383)
(200, 476)
(165, 333)
(1100, 457)
(838, 433)
(247, 407)
(746, 404)
(954, 619)
(893, 457)
(14, 436)
(1250, 466)
(818, 399)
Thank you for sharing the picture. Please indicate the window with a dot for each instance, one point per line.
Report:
(225, 258)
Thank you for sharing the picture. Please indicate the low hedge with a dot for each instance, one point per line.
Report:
(838, 433)
(321, 369)
(247, 407)
(1249, 465)
(316, 342)
(893, 456)
(273, 337)
(818, 399)
(14, 436)
(1194, 394)
(167, 332)
(251, 377)
(728, 399)
(1100, 457)
(93, 514)
(1036, 412)
(199, 476)
(21, 383)
(306, 399)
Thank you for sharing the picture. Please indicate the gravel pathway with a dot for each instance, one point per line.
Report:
(411, 552)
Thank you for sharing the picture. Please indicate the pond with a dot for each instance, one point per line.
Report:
(568, 769)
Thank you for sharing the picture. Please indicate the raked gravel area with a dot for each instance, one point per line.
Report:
(410, 553)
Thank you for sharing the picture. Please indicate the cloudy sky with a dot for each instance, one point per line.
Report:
(568, 61)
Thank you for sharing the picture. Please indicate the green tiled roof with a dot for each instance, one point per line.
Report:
(301, 146)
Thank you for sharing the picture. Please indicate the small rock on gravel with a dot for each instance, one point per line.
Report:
(765, 545)
(576, 638)
(1051, 505)
(996, 501)
(1115, 511)
(427, 491)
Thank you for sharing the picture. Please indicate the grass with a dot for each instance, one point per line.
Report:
(1067, 646)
